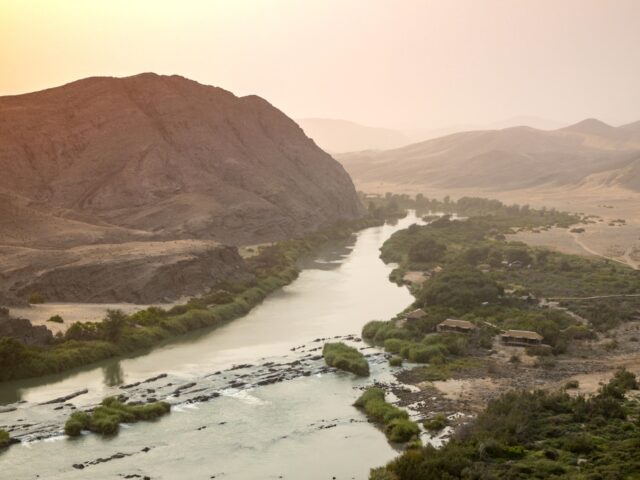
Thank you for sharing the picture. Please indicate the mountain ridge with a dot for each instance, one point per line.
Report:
(134, 186)
(511, 158)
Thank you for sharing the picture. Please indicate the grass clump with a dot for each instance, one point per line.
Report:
(107, 417)
(35, 298)
(571, 385)
(5, 439)
(56, 319)
(397, 426)
(395, 361)
(344, 357)
(436, 423)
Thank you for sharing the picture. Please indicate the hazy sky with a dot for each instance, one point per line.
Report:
(399, 63)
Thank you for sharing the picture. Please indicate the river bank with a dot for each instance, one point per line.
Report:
(252, 431)
(89, 342)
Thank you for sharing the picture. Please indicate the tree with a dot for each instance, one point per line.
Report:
(12, 352)
(427, 250)
(113, 324)
(462, 288)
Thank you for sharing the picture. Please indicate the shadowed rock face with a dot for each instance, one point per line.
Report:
(169, 156)
(22, 329)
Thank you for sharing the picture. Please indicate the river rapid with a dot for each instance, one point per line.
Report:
(251, 399)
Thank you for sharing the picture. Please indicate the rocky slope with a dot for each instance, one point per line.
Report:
(589, 152)
(120, 163)
(170, 156)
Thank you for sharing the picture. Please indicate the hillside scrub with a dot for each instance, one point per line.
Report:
(395, 421)
(523, 435)
(107, 417)
(344, 357)
(88, 342)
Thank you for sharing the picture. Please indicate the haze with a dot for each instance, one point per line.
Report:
(408, 64)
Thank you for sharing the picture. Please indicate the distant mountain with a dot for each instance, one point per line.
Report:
(154, 173)
(529, 121)
(589, 152)
(337, 136)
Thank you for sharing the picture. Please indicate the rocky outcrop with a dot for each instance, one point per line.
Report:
(141, 272)
(22, 329)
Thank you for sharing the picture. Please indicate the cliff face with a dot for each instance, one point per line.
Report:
(169, 156)
(126, 189)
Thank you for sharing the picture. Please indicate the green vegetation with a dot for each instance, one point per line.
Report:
(344, 357)
(35, 298)
(395, 361)
(436, 423)
(56, 319)
(119, 334)
(539, 435)
(480, 265)
(107, 417)
(476, 274)
(572, 384)
(5, 439)
(396, 423)
(460, 287)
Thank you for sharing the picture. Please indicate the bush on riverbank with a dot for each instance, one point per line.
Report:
(436, 423)
(344, 357)
(396, 423)
(5, 439)
(88, 342)
(107, 417)
(537, 434)
(395, 361)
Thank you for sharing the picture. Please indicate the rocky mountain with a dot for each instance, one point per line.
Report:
(589, 152)
(170, 156)
(115, 162)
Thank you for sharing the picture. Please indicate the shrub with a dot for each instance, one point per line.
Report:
(571, 385)
(107, 417)
(12, 352)
(436, 423)
(77, 422)
(344, 357)
(113, 324)
(461, 287)
(401, 430)
(393, 345)
(398, 427)
(395, 361)
(56, 319)
(35, 298)
(427, 250)
(5, 439)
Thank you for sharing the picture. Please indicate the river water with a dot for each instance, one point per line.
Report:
(303, 428)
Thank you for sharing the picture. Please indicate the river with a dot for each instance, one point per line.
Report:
(303, 428)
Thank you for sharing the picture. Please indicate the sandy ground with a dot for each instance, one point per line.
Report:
(414, 277)
(74, 312)
(248, 251)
